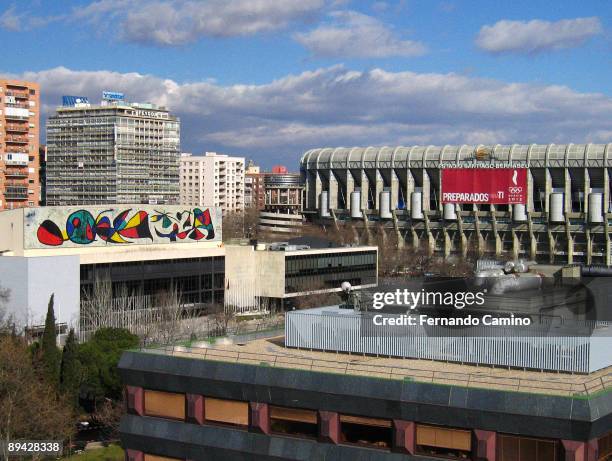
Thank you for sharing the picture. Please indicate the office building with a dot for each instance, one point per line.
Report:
(258, 399)
(19, 141)
(112, 153)
(563, 216)
(212, 180)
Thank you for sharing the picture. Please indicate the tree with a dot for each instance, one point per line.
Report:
(29, 406)
(51, 355)
(99, 358)
(70, 370)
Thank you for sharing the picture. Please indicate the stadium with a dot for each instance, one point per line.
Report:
(547, 203)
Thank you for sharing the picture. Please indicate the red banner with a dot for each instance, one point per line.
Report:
(484, 185)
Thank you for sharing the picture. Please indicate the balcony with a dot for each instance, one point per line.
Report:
(16, 139)
(15, 173)
(15, 193)
(16, 159)
(17, 94)
(17, 127)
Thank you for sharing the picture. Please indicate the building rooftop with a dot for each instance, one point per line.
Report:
(272, 352)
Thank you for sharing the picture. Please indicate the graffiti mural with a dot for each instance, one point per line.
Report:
(96, 226)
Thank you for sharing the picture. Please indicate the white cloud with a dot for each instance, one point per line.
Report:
(350, 34)
(178, 22)
(536, 36)
(278, 121)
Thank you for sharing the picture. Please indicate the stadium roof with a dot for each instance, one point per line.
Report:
(578, 155)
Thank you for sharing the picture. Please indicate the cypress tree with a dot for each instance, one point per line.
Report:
(70, 370)
(51, 355)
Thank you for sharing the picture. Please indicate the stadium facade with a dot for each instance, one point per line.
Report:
(563, 217)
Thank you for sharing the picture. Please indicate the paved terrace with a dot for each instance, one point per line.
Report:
(271, 352)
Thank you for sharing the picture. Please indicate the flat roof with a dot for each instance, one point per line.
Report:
(272, 352)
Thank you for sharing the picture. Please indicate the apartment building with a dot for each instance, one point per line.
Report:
(115, 152)
(254, 191)
(19, 140)
(212, 180)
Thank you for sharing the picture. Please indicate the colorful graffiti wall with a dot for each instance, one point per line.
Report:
(53, 227)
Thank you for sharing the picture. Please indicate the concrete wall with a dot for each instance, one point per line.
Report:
(31, 282)
(250, 274)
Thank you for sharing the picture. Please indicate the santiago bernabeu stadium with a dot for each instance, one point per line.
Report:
(548, 203)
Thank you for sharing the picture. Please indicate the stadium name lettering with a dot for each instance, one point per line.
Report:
(471, 164)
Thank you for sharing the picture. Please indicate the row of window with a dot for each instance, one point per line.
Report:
(433, 441)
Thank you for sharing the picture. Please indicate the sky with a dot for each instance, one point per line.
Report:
(270, 79)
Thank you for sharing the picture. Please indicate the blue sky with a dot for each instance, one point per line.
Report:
(268, 79)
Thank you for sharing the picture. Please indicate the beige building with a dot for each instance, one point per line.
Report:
(212, 180)
(271, 276)
(19, 140)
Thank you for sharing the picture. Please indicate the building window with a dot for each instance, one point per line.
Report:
(226, 411)
(443, 442)
(513, 448)
(164, 404)
(604, 445)
(294, 421)
(371, 432)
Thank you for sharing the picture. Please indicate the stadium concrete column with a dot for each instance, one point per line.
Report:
(462, 237)
(498, 241)
(530, 199)
(426, 190)
(398, 234)
(516, 245)
(409, 189)
(479, 239)
(533, 243)
(365, 190)
(447, 242)
(394, 190)
(350, 187)
(567, 192)
(552, 243)
(431, 241)
(380, 184)
(569, 240)
(548, 188)
(318, 188)
(589, 246)
(587, 190)
(333, 191)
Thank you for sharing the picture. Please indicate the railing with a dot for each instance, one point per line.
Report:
(20, 128)
(484, 379)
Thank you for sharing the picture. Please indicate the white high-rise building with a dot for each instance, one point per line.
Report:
(212, 180)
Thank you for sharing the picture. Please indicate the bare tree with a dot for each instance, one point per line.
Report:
(29, 406)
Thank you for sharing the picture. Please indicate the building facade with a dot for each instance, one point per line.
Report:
(282, 211)
(238, 402)
(565, 219)
(112, 153)
(212, 180)
(134, 251)
(254, 192)
(272, 276)
(19, 141)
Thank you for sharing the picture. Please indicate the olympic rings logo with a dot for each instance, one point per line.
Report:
(515, 190)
